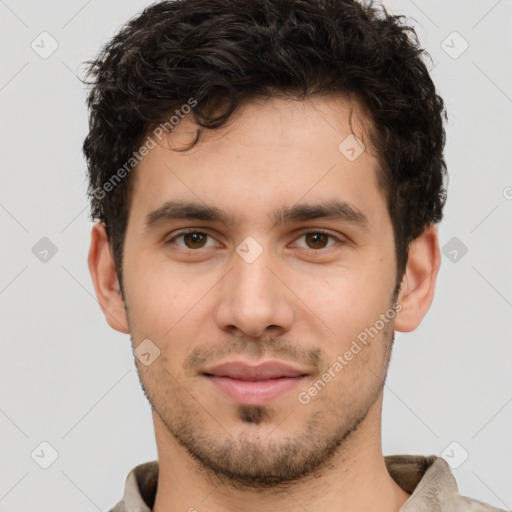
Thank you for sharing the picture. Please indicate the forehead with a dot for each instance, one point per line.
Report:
(273, 151)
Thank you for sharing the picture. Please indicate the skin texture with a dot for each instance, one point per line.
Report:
(302, 301)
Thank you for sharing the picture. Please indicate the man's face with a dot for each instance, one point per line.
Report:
(256, 286)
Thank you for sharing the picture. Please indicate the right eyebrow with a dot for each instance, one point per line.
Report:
(174, 210)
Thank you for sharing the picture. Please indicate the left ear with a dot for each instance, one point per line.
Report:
(419, 280)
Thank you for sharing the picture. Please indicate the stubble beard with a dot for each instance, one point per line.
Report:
(253, 463)
(260, 462)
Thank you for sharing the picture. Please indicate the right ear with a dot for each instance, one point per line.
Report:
(104, 277)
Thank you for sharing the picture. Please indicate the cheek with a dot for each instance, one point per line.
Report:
(346, 298)
(155, 293)
(167, 310)
(349, 306)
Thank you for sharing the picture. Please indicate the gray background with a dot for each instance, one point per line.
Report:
(66, 378)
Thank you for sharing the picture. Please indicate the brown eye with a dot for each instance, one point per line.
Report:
(317, 240)
(194, 240)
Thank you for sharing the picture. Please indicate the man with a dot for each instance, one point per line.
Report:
(267, 176)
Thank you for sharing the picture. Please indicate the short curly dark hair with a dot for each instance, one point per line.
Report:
(224, 52)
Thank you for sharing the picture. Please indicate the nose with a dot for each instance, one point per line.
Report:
(253, 298)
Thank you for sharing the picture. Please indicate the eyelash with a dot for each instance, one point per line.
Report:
(317, 231)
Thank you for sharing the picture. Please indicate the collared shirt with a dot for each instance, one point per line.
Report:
(429, 480)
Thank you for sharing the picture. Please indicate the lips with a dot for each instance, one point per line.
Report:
(264, 371)
(254, 385)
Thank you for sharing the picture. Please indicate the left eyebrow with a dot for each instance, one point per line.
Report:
(332, 210)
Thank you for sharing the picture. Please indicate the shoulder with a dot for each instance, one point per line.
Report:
(119, 507)
(465, 504)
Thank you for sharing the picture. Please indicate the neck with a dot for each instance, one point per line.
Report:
(355, 479)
